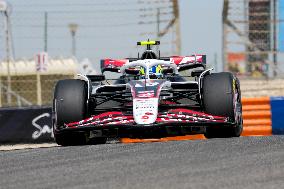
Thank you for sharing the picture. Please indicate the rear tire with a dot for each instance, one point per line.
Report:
(222, 97)
(70, 105)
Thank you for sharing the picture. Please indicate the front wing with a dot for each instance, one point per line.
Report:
(173, 117)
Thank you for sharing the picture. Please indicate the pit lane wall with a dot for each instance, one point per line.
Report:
(262, 116)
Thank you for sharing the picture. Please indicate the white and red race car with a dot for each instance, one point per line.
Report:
(151, 99)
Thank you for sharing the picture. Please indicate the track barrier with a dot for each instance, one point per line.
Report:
(277, 112)
(263, 116)
(257, 116)
(25, 125)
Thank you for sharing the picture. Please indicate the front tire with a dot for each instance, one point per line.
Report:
(222, 97)
(70, 105)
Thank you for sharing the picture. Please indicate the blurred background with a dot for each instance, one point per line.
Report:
(44, 41)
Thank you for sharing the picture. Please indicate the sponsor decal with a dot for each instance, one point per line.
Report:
(41, 129)
(145, 94)
(145, 111)
(148, 84)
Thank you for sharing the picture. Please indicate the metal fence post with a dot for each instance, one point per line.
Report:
(39, 98)
(0, 91)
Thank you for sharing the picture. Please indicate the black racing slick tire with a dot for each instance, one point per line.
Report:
(222, 97)
(69, 105)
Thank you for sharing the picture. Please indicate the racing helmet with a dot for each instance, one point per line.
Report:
(148, 54)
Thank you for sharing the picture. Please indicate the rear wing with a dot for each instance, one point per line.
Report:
(182, 62)
(189, 62)
(112, 65)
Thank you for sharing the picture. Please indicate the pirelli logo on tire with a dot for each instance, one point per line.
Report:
(234, 86)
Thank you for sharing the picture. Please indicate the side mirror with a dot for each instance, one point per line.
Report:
(132, 71)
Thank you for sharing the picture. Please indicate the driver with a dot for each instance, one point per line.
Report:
(154, 73)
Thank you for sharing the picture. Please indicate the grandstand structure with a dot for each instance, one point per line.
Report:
(250, 38)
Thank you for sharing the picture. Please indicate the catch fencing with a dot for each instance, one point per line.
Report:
(253, 39)
(25, 90)
(28, 87)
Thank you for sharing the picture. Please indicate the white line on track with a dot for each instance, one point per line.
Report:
(26, 146)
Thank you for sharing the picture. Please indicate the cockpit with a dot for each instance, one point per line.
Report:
(149, 69)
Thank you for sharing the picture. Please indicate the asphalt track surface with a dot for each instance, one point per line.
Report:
(246, 162)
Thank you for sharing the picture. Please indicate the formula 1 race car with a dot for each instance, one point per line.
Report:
(154, 97)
